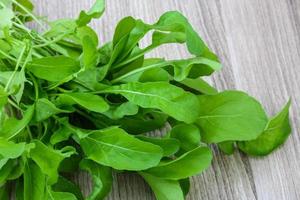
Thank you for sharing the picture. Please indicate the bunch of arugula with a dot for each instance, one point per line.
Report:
(67, 105)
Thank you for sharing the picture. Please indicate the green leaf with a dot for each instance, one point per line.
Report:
(102, 179)
(12, 126)
(53, 68)
(193, 162)
(95, 12)
(6, 170)
(3, 98)
(11, 150)
(172, 100)
(199, 85)
(61, 196)
(90, 54)
(123, 29)
(16, 86)
(61, 134)
(124, 109)
(194, 68)
(175, 21)
(230, 116)
(89, 101)
(188, 135)
(115, 148)
(185, 186)
(226, 147)
(162, 188)
(275, 134)
(45, 109)
(34, 182)
(65, 185)
(6, 16)
(4, 195)
(61, 27)
(49, 159)
(169, 145)
(144, 122)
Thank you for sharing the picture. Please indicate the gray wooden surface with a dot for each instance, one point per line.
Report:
(258, 42)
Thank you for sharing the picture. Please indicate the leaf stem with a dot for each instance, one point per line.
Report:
(16, 68)
(29, 14)
(157, 65)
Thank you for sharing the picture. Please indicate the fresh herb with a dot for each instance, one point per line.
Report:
(68, 104)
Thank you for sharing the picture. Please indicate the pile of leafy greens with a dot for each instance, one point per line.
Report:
(69, 104)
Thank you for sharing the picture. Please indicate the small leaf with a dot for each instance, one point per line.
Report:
(90, 54)
(16, 86)
(4, 194)
(226, 147)
(124, 109)
(45, 109)
(49, 159)
(11, 150)
(95, 12)
(188, 135)
(53, 68)
(162, 188)
(169, 145)
(61, 195)
(12, 126)
(65, 185)
(89, 101)
(61, 134)
(199, 85)
(102, 179)
(274, 135)
(34, 182)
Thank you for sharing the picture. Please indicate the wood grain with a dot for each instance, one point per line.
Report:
(258, 42)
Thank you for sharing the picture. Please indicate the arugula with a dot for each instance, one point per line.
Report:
(69, 103)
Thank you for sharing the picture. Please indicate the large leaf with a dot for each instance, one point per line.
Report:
(230, 116)
(162, 188)
(189, 164)
(172, 100)
(274, 135)
(53, 68)
(115, 148)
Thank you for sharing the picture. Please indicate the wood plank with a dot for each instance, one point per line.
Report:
(259, 45)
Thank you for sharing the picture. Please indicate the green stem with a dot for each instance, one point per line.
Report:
(14, 104)
(30, 14)
(36, 87)
(157, 65)
(16, 69)
(8, 56)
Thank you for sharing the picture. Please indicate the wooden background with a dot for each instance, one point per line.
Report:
(258, 42)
